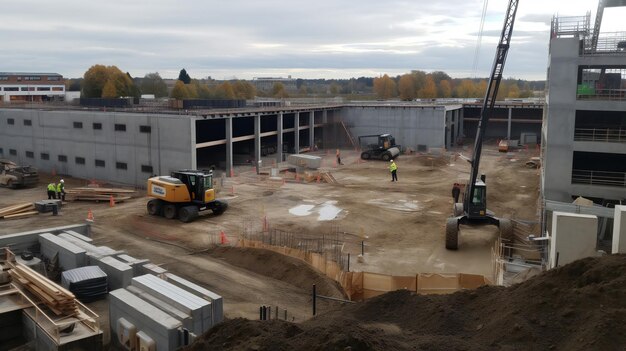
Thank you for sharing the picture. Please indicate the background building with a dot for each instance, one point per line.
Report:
(18, 87)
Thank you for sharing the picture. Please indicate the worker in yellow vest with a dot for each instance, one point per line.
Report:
(61, 190)
(52, 191)
(393, 169)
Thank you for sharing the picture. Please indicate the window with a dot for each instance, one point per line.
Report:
(62, 158)
(120, 127)
(45, 156)
(11, 89)
(32, 78)
(99, 163)
(10, 121)
(57, 88)
(146, 169)
(4, 77)
(54, 78)
(80, 160)
(1, 151)
(12, 152)
(97, 126)
(30, 154)
(28, 122)
(43, 88)
(24, 88)
(121, 165)
(78, 125)
(145, 129)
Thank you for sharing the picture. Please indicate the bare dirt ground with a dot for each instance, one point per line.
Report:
(402, 224)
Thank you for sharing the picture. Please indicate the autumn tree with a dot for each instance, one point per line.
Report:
(109, 91)
(465, 89)
(278, 90)
(445, 88)
(152, 83)
(406, 87)
(514, 91)
(244, 90)
(429, 91)
(204, 92)
(97, 76)
(384, 87)
(225, 91)
(180, 91)
(184, 77)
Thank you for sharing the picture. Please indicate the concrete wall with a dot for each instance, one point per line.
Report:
(619, 230)
(573, 236)
(169, 146)
(410, 125)
(558, 132)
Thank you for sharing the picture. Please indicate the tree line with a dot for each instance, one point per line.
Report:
(110, 82)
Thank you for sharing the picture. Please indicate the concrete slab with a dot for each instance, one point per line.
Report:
(573, 237)
(119, 273)
(70, 255)
(619, 230)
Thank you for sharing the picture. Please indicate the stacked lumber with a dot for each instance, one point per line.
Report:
(98, 194)
(59, 300)
(328, 178)
(18, 211)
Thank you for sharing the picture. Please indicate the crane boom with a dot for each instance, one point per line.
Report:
(492, 91)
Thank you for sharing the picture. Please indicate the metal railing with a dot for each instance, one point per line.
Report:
(570, 26)
(617, 179)
(607, 135)
(609, 43)
(602, 94)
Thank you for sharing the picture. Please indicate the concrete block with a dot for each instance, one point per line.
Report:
(70, 255)
(29, 241)
(119, 273)
(136, 263)
(573, 237)
(78, 235)
(151, 268)
(198, 308)
(619, 230)
(217, 303)
(158, 325)
(183, 317)
(306, 161)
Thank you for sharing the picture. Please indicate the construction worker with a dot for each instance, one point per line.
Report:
(61, 190)
(339, 157)
(52, 191)
(394, 170)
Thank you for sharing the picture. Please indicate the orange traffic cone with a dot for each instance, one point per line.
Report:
(90, 216)
(223, 238)
(111, 201)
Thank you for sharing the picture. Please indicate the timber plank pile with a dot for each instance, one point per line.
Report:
(98, 194)
(59, 300)
(18, 211)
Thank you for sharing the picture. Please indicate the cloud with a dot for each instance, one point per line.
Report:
(240, 38)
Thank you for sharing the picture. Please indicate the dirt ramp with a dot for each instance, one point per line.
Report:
(280, 267)
(581, 306)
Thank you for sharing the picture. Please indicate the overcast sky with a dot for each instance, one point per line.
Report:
(304, 39)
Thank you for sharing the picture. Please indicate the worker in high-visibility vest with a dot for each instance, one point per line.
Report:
(394, 170)
(52, 191)
(61, 190)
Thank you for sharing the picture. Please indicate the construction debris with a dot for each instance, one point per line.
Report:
(18, 211)
(59, 300)
(534, 162)
(98, 194)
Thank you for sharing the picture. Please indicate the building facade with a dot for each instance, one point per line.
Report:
(18, 87)
(584, 124)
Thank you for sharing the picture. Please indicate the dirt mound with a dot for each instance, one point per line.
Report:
(280, 267)
(581, 306)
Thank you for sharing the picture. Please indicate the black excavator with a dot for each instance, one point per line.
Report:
(473, 209)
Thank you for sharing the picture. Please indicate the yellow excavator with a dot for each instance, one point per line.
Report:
(183, 194)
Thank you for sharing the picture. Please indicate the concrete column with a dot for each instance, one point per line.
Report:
(619, 230)
(296, 131)
(279, 138)
(508, 130)
(194, 154)
(311, 129)
(325, 117)
(573, 237)
(229, 146)
(461, 116)
(257, 141)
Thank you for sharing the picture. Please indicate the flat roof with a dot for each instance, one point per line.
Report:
(28, 74)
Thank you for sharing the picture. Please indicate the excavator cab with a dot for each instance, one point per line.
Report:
(197, 182)
(477, 204)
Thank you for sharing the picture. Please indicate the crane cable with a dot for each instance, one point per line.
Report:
(479, 38)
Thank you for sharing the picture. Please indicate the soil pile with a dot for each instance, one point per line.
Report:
(581, 306)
